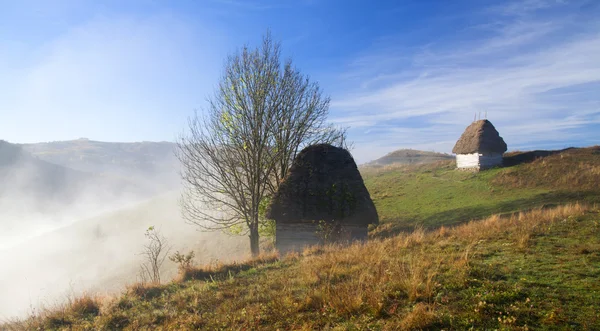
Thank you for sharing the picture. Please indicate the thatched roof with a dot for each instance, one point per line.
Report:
(323, 184)
(481, 136)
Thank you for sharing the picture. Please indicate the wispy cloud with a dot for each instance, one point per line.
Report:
(525, 7)
(96, 78)
(533, 73)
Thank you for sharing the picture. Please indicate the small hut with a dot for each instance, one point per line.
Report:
(480, 147)
(322, 195)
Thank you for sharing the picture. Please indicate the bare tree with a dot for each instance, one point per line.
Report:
(155, 252)
(235, 154)
(301, 121)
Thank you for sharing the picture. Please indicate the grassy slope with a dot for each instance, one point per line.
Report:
(103, 252)
(434, 195)
(410, 156)
(440, 196)
(533, 270)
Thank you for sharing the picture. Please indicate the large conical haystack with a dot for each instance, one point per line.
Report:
(323, 184)
(480, 137)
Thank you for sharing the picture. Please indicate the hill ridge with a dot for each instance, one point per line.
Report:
(409, 156)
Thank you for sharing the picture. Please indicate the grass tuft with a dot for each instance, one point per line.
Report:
(420, 317)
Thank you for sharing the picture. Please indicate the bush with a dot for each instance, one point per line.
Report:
(184, 261)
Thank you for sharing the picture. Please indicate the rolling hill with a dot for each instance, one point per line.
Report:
(21, 170)
(37, 195)
(155, 160)
(409, 156)
(514, 248)
(437, 194)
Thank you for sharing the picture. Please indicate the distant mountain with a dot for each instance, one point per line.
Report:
(21, 172)
(25, 173)
(123, 159)
(410, 156)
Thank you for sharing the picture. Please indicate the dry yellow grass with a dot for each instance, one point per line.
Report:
(419, 317)
(75, 308)
(571, 169)
(411, 281)
(523, 224)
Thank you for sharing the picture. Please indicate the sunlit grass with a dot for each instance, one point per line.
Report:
(433, 195)
(500, 272)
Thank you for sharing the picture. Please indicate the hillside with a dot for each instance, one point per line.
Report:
(46, 179)
(534, 270)
(102, 254)
(36, 195)
(529, 260)
(155, 159)
(409, 156)
(21, 170)
(437, 194)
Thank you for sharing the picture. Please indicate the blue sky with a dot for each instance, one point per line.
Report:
(401, 74)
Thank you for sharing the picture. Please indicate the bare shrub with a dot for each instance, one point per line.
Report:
(155, 252)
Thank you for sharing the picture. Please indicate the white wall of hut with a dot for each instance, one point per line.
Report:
(478, 161)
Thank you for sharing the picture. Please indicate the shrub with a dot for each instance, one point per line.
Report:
(184, 261)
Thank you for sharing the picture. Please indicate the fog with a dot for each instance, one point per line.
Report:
(66, 232)
(100, 255)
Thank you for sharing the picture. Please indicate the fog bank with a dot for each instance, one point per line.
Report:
(101, 255)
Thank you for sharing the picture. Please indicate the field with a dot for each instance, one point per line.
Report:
(516, 248)
(436, 194)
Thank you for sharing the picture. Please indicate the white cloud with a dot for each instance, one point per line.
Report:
(97, 79)
(529, 74)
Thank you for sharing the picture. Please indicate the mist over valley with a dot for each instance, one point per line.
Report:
(74, 215)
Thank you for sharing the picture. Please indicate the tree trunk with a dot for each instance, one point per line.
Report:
(254, 248)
